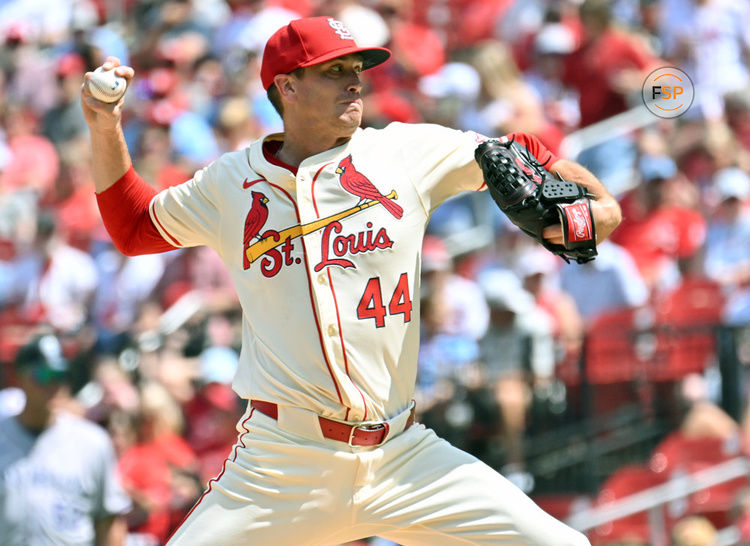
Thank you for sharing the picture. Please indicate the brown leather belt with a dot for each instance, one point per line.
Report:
(354, 435)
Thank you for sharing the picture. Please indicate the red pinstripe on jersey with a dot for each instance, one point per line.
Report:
(170, 238)
(336, 305)
(312, 298)
(343, 346)
(269, 148)
(232, 457)
(312, 187)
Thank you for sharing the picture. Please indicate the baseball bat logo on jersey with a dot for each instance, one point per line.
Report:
(335, 246)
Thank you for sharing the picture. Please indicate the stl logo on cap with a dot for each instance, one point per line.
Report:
(310, 41)
(340, 29)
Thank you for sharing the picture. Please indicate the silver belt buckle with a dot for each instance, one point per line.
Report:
(378, 426)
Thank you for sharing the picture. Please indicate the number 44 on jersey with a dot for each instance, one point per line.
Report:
(371, 302)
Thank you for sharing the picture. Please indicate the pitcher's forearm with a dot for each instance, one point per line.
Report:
(605, 208)
(111, 158)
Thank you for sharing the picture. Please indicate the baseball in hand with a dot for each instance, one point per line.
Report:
(106, 86)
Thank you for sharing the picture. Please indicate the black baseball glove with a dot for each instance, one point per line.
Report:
(533, 199)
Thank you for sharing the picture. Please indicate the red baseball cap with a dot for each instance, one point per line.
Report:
(310, 41)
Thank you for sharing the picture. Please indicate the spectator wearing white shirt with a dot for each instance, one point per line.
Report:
(53, 282)
(727, 258)
(728, 238)
(711, 38)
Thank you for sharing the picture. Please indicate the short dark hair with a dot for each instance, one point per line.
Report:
(273, 92)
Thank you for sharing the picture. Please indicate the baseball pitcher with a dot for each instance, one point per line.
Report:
(321, 228)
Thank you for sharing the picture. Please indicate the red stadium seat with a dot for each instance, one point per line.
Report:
(685, 322)
(561, 506)
(677, 455)
(618, 346)
(626, 481)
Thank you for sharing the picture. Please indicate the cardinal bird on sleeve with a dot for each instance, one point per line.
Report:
(256, 219)
(358, 184)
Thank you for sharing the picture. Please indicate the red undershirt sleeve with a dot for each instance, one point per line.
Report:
(537, 149)
(124, 209)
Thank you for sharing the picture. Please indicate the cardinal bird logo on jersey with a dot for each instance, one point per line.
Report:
(358, 184)
(256, 219)
(276, 249)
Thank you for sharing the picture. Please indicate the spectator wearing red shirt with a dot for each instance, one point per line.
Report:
(158, 470)
(74, 200)
(34, 164)
(212, 414)
(608, 65)
(661, 222)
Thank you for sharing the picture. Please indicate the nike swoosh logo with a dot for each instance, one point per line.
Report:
(246, 184)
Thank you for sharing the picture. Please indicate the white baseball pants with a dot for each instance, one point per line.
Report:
(290, 486)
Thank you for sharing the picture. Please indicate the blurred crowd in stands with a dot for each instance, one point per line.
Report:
(153, 339)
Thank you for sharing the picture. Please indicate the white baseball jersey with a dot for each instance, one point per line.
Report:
(326, 264)
(327, 267)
